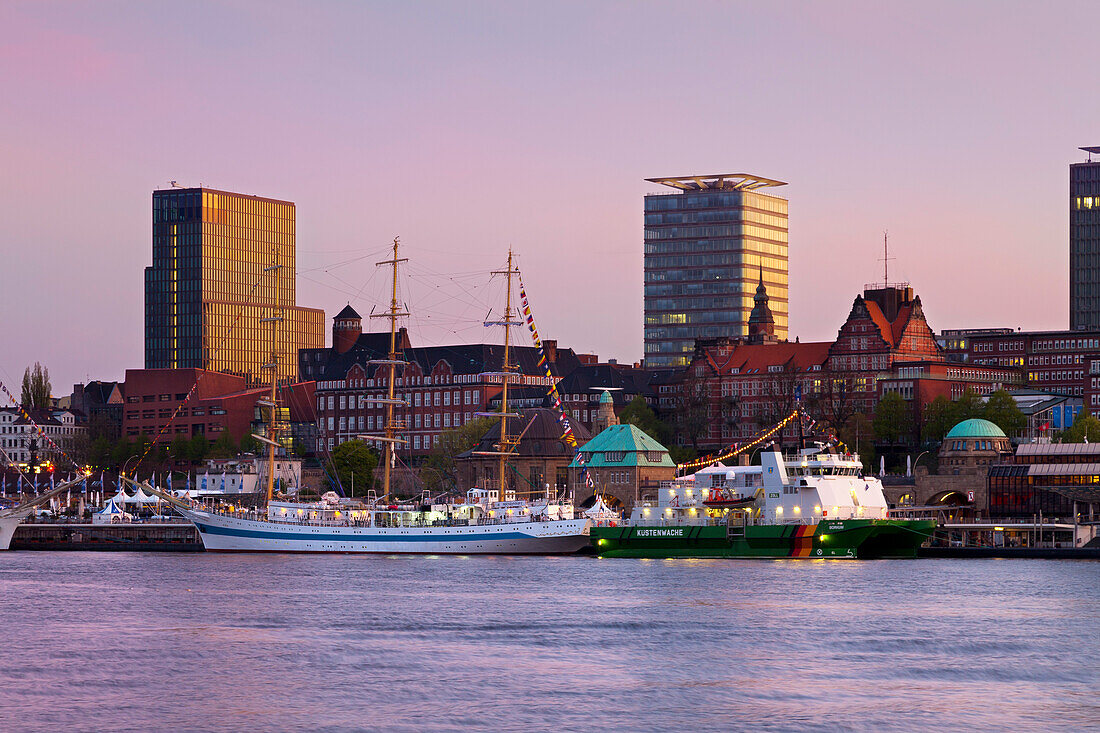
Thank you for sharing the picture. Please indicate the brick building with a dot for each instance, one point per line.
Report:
(221, 403)
(734, 387)
(1060, 362)
(921, 382)
(442, 387)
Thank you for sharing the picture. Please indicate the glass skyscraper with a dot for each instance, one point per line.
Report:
(1084, 244)
(707, 246)
(207, 294)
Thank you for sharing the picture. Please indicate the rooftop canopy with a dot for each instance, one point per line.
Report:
(976, 428)
(718, 181)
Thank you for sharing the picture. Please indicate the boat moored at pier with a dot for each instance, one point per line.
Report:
(815, 503)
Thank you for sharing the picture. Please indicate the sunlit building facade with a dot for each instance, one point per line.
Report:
(208, 298)
(708, 245)
(1084, 244)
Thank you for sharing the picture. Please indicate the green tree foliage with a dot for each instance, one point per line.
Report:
(639, 414)
(36, 387)
(442, 470)
(967, 407)
(224, 446)
(249, 444)
(1002, 411)
(180, 449)
(893, 421)
(100, 453)
(122, 450)
(1085, 426)
(938, 418)
(198, 447)
(352, 458)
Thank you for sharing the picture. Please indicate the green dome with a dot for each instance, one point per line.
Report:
(605, 398)
(976, 428)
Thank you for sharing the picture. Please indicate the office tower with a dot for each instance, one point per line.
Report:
(208, 291)
(708, 246)
(1084, 244)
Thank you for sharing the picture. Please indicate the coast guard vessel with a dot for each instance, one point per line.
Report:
(814, 503)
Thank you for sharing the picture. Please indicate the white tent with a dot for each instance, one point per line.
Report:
(600, 512)
(111, 514)
(142, 498)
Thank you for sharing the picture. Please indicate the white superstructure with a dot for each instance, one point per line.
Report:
(803, 488)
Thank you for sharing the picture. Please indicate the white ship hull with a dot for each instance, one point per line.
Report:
(8, 523)
(229, 534)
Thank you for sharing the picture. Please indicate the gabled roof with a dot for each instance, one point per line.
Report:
(793, 356)
(348, 312)
(627, 439)
(542, 435)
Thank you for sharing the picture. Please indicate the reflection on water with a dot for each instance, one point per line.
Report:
(97, 641)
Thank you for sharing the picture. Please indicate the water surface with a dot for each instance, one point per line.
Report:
(131, 641)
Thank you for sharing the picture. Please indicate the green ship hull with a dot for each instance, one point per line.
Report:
(843, 538)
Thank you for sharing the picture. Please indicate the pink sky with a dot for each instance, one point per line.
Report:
(466, 128)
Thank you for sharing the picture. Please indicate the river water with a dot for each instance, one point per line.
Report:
(129, 641)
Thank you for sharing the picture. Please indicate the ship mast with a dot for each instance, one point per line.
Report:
(273, 365)
(507, 442)
(389, 439)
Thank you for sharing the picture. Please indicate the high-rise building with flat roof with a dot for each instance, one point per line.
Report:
(708, 246)
(210, 294)
(1084, 243)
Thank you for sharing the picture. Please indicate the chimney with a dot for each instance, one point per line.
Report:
(550, 348)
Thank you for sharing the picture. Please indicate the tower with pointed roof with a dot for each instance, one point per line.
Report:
(761, 322)
(347, 326)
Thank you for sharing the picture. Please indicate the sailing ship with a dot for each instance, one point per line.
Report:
(816, 502)
(488, 522)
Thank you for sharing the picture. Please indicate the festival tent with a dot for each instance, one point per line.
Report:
(112, 513)
(142, 498)
(600, 512)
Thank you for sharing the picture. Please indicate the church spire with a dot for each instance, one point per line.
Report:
(761, 322)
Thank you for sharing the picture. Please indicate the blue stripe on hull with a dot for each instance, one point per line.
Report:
(316, 537)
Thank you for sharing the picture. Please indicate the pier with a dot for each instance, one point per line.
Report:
(136, 537)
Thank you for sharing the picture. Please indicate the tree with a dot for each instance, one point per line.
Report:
(224, 446)
(937, 419)
(121, 451)
(249, 444)
(1002, 411)
(36, 387)
(99, 453)
(893, 421)
(640, 415)
(834, 398)
(197, 447)
(180, 448)
(967, 407)
(691, 415)
(350, 459)
(441, 460)
(1085, 427)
